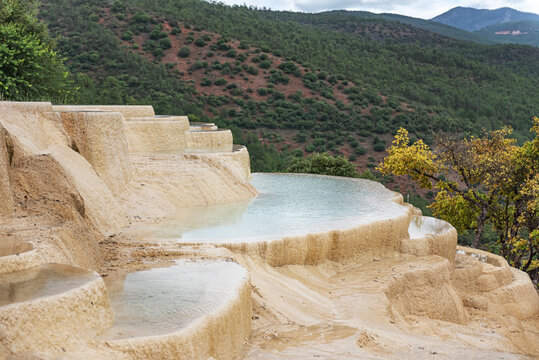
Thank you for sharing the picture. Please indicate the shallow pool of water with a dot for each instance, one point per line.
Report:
(165, 300)
(43, 280)
(421, 226)
(288, 205)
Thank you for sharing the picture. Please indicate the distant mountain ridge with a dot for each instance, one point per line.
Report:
(428, 25)
(472, 19)
(514, 32)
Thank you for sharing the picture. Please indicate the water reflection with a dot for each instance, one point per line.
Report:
(421, 226)
(164, 300)
(43, 280)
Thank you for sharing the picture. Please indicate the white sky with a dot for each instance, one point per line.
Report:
(425, 9)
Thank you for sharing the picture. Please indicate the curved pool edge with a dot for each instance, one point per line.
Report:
(41, 324)
(220, 334)
(376, 238)
(20, 261)
(442, 241)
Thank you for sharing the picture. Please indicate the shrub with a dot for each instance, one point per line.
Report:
(288, 67)
(263, 91)
(309, 77)
(127, 35)
(379, 147)
(360, 150)
(322, 75)
(184, 52)
(220, 82)
(266, 64)
(165, 43)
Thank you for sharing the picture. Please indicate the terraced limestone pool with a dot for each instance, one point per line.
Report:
(41, 281)
(287, 205)
(165, 300)
(421, 226)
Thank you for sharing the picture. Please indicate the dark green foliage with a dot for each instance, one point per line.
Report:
(324, 164)
(30, 69)
(157, 33)
(200, 42)
(184, 52)
(165, 43)
(379, 147)
(309, 77)
(360, 150)
(220, 82)
(264, 91)
(279, 77)
(288, 67)
(266, 64)
(127, 35)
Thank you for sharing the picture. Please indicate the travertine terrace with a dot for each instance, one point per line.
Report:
(83, 275)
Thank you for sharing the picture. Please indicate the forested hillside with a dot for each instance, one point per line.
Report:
(290, 84)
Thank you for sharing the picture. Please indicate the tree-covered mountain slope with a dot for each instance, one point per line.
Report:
(288, 88)
(472, 19)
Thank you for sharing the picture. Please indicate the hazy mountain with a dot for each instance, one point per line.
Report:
(428, 25)
(514, 32)
(471, 19)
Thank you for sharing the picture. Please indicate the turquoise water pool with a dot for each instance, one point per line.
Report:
(287, 205)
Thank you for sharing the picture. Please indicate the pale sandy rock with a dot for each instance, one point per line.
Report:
(486, 282)
(6, 194)
(128, 111)
(373, 239)
(97, 202)
(55, 324)
(213, 140)
(156, 136)
(100, 138)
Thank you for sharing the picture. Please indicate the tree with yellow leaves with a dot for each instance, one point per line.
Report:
(481, 181)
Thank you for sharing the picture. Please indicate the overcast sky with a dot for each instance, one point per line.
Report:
(425, 9)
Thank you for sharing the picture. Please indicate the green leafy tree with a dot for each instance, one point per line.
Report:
(30, 69)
